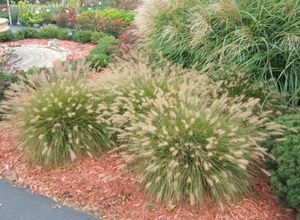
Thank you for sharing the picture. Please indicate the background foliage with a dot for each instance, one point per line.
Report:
(262, 36)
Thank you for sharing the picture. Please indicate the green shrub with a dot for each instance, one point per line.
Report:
(27, 33)
(97, 36)
(37, 14)
(262, 36)
(50, 31)
(56, 117)
(101, 55)
(285, 175)
(83, 36)
(110, 21)
(113, 13)
(7, 36)
(98, 60)
(185, 141)
(66, 34)
(29, 16)
(67, 18)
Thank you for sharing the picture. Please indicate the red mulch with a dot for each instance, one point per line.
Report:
(77, 50)
(104, 188)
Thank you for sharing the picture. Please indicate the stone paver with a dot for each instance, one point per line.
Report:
(20, 204)
(27, 56)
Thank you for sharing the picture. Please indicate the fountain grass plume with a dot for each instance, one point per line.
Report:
(183, 135)
(56, 118)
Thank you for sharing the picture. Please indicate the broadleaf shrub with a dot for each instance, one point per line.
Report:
(285, 169)
(185, 141)
(57, 118)
(37, 14)
(111, 21)
(101, 55)
(262, 36)
(67, 18)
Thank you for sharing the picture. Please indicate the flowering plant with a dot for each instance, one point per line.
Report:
(114, 27)
(31, 14)
(67, 18)
(111, 21)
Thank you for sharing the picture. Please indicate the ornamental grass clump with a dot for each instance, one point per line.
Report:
(56, 118)
(262, 36)
(184, 136)
(132, 82)
(193, 148)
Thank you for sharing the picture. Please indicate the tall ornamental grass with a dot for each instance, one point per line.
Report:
(262, 36)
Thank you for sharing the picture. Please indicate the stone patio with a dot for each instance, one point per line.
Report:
(27, 56)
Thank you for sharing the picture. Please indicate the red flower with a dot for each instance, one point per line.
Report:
(124, 35)
(113, 46)
(118, 21)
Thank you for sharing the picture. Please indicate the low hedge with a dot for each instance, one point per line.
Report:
(52, 31)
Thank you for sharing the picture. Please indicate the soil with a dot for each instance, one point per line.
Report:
(106, 189)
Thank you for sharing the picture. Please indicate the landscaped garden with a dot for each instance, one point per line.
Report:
(156, 109)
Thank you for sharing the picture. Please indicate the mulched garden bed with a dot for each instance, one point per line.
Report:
(104, 188)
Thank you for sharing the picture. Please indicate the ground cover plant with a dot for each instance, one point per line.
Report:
(262, 36)
(56, 118)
